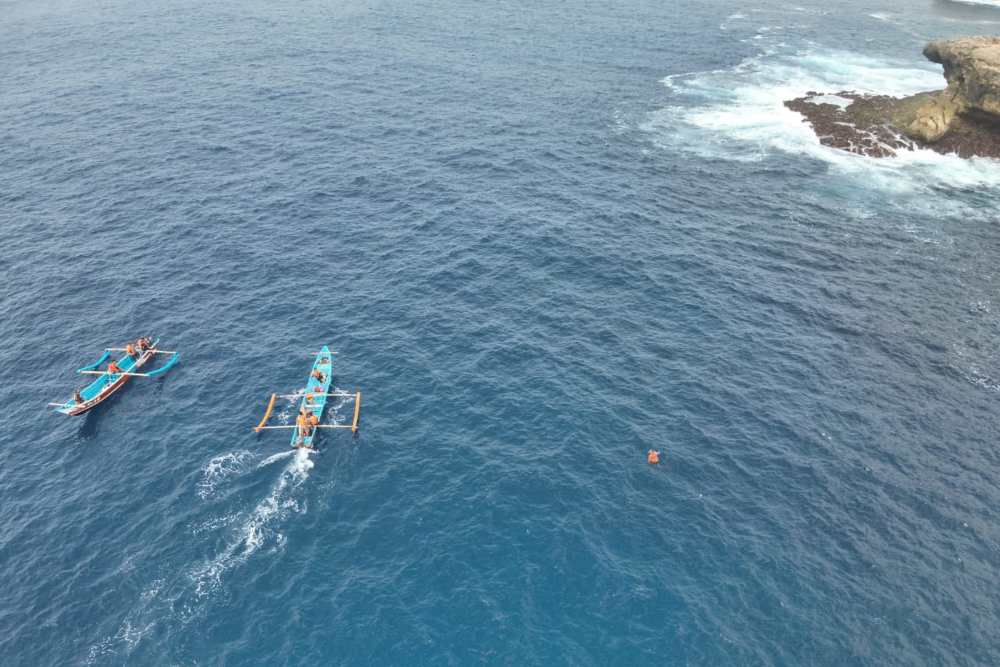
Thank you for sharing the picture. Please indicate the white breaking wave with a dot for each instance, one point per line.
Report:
(836, 100)
(979, 3)
(732, 17)
(900, 24)
(739, 114)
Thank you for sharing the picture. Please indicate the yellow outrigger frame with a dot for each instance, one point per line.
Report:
(353, 426)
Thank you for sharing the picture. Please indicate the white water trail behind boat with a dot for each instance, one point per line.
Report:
(274, 458)
(220, 468)
(182, 598)
(258, 525)
(257, 528)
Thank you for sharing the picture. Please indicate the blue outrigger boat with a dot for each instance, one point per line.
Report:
(313, 402)
(108, 383)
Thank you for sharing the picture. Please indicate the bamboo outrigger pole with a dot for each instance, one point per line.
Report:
(267, 413)
(357, 412)
(309, 393)
(138, 375)
(265, 428)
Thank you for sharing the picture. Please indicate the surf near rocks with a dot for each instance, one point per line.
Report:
(964, 118)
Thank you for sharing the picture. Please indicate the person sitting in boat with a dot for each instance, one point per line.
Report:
(318, 375)
(114, 368)
(302, 422)
(130, 349)
(145, 343)
(77, 398)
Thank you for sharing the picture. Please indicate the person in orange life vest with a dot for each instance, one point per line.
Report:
(302, 422)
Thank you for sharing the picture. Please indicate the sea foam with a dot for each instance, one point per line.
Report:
(739, 114)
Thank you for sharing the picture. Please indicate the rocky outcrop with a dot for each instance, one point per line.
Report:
(927, 118)
(972, 69)
(964, 118)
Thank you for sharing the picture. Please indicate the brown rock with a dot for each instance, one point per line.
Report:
(860, 127)
(933, 116)
(964, 118)
(972, 68)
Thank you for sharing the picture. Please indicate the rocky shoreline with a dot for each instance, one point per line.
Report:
(963, 119)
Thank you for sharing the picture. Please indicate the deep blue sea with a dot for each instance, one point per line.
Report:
(543, 237)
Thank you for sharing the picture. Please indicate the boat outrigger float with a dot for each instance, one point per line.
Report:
(115, 376)
(313, 403)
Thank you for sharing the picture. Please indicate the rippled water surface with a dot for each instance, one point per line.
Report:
(544, 237)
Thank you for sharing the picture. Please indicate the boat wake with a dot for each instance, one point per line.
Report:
(182, 598)
(274, 458)
(256, 530)
(185, 597)
(221, 468)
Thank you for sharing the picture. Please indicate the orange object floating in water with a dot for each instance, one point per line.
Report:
(653, 457)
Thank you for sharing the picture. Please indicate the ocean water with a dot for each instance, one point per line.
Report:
(544, 238)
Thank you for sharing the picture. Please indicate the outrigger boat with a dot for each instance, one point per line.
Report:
(313, 402)
(108, 383)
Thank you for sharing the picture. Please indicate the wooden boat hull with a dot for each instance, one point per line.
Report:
(317, 390)
(105, 386)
